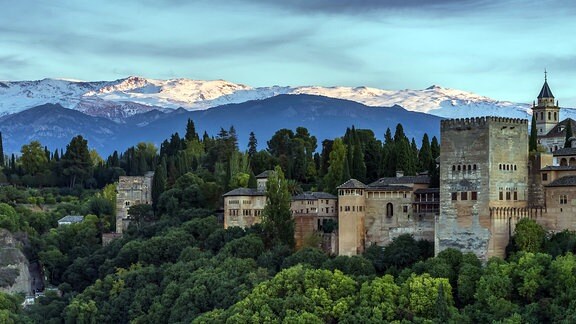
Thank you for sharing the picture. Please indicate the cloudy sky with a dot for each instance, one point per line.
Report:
(494, 48)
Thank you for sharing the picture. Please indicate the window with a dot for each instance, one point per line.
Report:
(405, 209)
(464, 195)
(507, 195)
(453, 168)
(499, 166)
(459, 168)
(555, 116)
(541, 117)
(544, 176)
(515, 195)
(474, 195)
(563, 199)
(549, 115)
(454, 196)
(501, 196)
(389, 210)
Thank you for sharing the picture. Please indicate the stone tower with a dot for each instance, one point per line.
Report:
(547, 112)
(351, 216)
(483, 186)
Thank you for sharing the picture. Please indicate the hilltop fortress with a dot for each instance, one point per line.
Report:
(488, 181)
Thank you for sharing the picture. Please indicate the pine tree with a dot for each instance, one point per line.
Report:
(252, 145)
(533, 142)
(191, 131)
(568, 132)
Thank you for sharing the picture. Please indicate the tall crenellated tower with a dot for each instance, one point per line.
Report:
(483, 186)
(547, 112)
(351, 216)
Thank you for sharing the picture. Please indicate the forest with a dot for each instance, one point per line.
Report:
(177, 264)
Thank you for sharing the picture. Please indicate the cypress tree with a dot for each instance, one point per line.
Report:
(1, 151)
(568, 132)
(252, 181)
(435, 148)
(425, 160)
(277, 220)
(158, 182)
(346, 171)
(359, 166)
(533, 142)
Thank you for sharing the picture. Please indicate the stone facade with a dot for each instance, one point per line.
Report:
(315, 213)
(383, 210)
(130, 191)
(483, 165)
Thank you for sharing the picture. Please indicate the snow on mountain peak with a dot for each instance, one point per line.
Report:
(132, 95)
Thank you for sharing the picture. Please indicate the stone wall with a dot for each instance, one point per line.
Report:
(14, 267)
(351, 229)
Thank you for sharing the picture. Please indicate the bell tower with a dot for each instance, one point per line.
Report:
(547, 112)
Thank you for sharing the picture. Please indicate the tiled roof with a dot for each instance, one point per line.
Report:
(352, 184)
(314, 196)
(560, 129)
(71, 219)
(565, 151)
(567, 181)
(390, 188)
(422, 179)
(545, 92)
(427, 190)
(244, 192)
(558, 168)
(264, 174)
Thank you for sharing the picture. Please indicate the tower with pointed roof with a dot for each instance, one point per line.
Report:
(547, 112)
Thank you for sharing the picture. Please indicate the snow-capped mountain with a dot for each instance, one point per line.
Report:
(133, 95)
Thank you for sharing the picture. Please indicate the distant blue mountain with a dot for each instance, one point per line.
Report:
(324, 117)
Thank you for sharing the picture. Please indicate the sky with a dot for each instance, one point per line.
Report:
(498, 49)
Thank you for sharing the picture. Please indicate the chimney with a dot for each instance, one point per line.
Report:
(399, 173)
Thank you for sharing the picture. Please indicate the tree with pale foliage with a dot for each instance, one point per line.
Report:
(33, 158)
(276, 217)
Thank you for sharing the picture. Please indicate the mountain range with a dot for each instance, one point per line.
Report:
(116, 114)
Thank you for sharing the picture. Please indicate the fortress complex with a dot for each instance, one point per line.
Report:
(488, 182)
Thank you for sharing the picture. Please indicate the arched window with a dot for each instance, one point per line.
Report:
(541, 115)
(563, 162)
(474, 167)
(549, 115)
(555, 116)
(459, 168)
(572, 161)
(453, 168)
(389, 210)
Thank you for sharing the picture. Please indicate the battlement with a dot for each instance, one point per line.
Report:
(478, 122)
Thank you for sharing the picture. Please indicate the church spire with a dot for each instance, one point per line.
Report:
(546, 93)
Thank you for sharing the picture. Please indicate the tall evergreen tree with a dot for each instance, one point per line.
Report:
(359, 166)
(252, 145)
(533, 142)
(191, 131)
(337, 168)
(425, 160)
(1, 151)
(159, 183)
(76, 162)
(568, 133)
(435, 148)
(388, 164)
